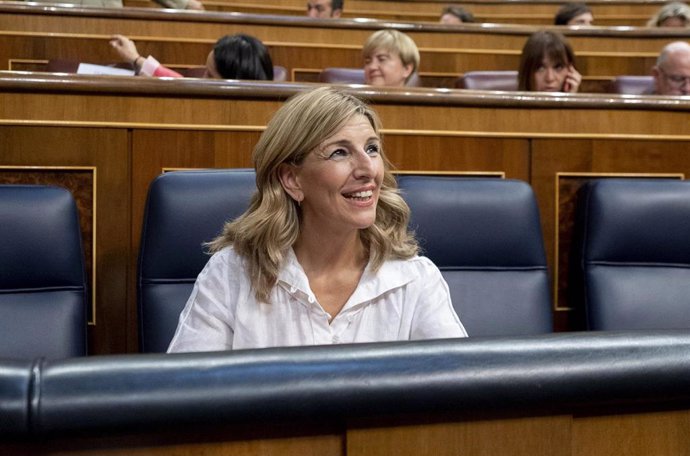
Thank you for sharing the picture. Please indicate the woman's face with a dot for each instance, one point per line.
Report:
(549, 76)
(338, 182)
(582, 19)
(673, 21)
(211, 70)
(449, 18)
(385, 68)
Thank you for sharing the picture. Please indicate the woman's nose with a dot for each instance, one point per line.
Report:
(364, 164)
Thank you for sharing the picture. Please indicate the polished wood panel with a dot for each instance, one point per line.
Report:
(662, 433)
(522, 16)
(534, 436)
(479, 6)
(638, 433)
(151, 23)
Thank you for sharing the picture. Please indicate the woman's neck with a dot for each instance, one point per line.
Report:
(318, 254)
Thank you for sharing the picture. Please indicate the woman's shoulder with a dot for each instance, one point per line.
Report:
(227, 257)
(417, 266)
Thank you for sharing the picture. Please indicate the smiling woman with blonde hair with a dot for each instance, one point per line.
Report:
(323, 254)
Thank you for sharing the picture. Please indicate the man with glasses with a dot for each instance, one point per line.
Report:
(324, 9)
(672, 70)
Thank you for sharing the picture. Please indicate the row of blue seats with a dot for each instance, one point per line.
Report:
(631, 261)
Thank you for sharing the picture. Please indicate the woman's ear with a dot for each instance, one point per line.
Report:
(407, 70)
(290, 181)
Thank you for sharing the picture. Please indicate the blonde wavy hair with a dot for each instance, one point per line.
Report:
(264, 234)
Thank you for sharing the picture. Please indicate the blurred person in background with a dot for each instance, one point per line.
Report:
(453, 14)
(324, 9)
(674, 14)
(391, 58)
(672, 70)
(232, 57)
(574, 14)
(547, 64)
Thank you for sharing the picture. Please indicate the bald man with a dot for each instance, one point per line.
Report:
(672, 70)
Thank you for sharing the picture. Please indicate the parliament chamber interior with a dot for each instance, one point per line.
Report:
(559, 221)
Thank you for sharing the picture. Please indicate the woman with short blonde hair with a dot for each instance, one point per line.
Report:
(675, 14)
(391, 58)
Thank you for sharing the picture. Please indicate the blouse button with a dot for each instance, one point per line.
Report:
(311, 300)
(293, 289)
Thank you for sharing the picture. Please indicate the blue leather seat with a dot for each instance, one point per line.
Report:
(631, 261)
(43, 288)
(633, 85)
(488, 80)
(485, 237)
(184, 209)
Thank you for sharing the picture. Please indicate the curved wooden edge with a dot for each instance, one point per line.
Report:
(531, 2)
(356, 23)
(189, 87)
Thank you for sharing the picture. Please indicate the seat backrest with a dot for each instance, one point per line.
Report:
(485, 237)
(342, 75)
(633, 85)
(279, 72)
(43, 289)
(335, 75)
(184, 210)
(631, 260)
(488, 80)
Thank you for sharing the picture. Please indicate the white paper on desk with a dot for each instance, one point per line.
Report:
(88, 68)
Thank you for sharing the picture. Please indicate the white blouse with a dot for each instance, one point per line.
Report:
(403, 300)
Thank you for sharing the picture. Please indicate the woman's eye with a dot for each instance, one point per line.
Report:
(338, 153)
(373, 149)
(559, 67)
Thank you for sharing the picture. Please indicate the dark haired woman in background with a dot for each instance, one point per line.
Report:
(233, 57)
(574, 14)
(547, 64)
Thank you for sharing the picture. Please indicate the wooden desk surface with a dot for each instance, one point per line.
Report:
(122, 132)
(532, 13)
